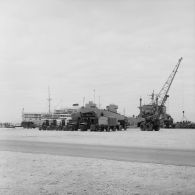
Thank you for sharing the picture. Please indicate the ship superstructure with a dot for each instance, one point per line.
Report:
(31, 119)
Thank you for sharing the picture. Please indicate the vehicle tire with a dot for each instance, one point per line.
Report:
(157, 125)
(120, 128)
(143, 126)
(125, 127)
(149, 126)
(156, 128)
(92, 128)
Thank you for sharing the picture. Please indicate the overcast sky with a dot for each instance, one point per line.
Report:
(123, 49)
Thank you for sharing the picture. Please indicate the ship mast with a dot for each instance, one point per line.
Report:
(49, 100)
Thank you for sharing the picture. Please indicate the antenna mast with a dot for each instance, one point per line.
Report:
(94, 96)
(99, 102)
(49, 100)
(83, 101)
(23, 114)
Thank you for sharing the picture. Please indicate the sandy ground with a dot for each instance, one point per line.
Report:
(165, 138)
(22, 173)
(25, 173)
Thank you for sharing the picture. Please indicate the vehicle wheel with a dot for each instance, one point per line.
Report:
(157, 125)
(157, 128)
(143, 126)
(92, 127)
(149, 126)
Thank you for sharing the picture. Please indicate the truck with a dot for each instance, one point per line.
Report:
(107, 123)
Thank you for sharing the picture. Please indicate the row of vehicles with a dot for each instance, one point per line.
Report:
(89, 118)
(184, 125)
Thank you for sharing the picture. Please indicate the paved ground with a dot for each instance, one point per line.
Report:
(134, 154)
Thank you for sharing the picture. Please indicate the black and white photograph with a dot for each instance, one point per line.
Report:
(97, 97)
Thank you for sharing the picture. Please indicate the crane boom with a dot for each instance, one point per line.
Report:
(163, 94)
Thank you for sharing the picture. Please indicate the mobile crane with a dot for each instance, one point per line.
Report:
(152, 114)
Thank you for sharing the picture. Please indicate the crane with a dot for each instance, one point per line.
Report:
(152, 113)
(162, 95)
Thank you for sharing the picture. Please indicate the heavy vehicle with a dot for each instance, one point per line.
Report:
(95, 119)
(49, 124)
(103, 123)
(167, 121)
(73, 123)
(53, 124)
(28, 125)
(153, 115)
(61, 124)
(44, 125)
(108, 123)
(88, 120)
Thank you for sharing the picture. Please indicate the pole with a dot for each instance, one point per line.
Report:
(83, 101)
(49, 100)
(22, 114)
(94, 96)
